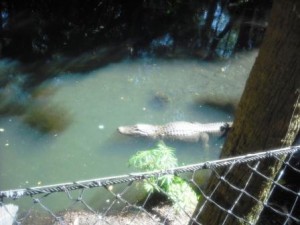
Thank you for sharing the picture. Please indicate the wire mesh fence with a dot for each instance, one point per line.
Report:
(129, 199)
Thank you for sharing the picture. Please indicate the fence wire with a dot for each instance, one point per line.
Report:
(124, 200)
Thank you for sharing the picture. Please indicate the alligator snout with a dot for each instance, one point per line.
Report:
(141, 130)
(121, 130)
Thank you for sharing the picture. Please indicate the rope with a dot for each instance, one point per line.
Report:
(108, 181)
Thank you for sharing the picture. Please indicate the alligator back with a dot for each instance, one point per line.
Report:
(182, 131)
(217, 129)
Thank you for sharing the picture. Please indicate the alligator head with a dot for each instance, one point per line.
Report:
(140, 130)
(225, 128)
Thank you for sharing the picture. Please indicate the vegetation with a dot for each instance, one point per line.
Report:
(175, 188)
(35, 108)
(47, 118)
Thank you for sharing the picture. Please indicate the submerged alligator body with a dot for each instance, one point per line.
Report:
(181, 131)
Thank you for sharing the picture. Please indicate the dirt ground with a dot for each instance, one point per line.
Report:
(165, 214)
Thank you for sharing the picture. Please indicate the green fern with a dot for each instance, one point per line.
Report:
(162, 157)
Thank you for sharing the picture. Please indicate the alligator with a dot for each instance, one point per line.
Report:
(180, 131)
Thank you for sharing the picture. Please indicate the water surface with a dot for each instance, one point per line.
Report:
(118, 94)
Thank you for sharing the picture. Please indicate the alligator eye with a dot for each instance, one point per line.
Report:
(222, 128)
(225, 127)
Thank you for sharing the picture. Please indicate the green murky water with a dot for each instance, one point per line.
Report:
(118, 94)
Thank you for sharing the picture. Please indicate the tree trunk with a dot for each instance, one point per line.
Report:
(262, 119)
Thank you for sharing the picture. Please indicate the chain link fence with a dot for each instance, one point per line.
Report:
(125, 200)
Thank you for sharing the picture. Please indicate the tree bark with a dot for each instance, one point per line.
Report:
(262, 120)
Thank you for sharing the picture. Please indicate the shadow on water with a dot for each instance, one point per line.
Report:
(159, 101)
(206, 105)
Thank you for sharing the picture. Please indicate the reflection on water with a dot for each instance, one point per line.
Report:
(146, 90)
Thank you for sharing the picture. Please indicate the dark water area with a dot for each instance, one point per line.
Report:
(71, 72)
(31, 30)
(51, 37)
